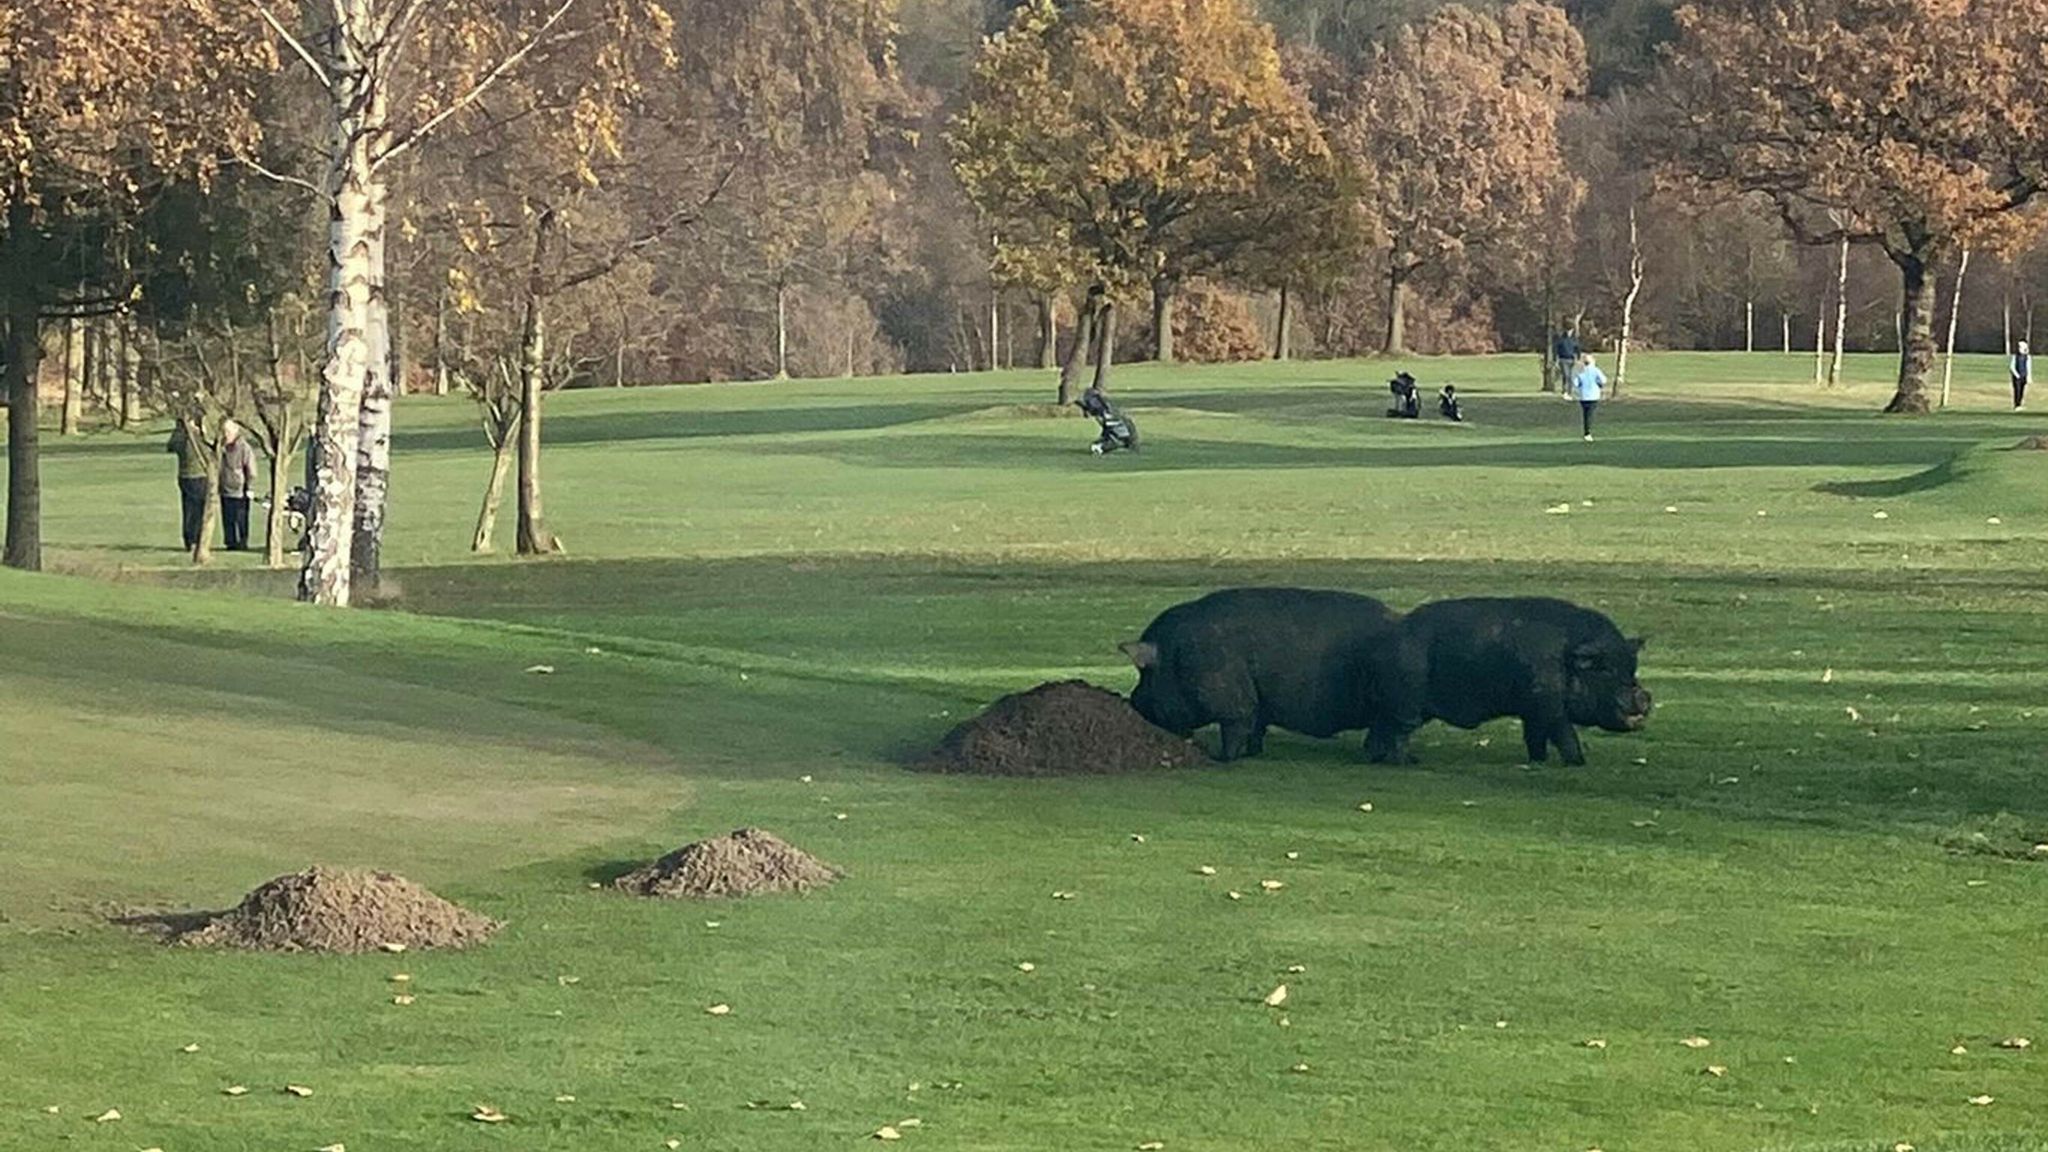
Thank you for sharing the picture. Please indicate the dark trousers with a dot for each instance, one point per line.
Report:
(2019, 391)
(1586, 414)
(192, 499)
(234, 518)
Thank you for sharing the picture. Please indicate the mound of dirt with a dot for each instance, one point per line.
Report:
(338, 910)
(2034, 444)
(1070, 728)
(749, 862)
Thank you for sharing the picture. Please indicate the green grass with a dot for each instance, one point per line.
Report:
(1818, 850)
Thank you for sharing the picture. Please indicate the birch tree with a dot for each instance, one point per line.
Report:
(1955, 311)
(393, 74)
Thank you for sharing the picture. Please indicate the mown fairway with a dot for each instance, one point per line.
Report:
(767, 583)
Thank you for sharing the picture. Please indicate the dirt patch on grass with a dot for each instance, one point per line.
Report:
(2005, 836)
(749, 862)
(322, 909)
(2033, 444)
(1069, 728)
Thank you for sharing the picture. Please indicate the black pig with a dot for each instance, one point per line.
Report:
(1553, 664)
(1247, 658)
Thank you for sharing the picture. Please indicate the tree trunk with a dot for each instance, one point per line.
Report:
(781, 330)
(1916, 333)
(1105, 354)
(533, 533)
(441, 343)
(21, 354)
(494, 492)
(2005, 316)
(130, 376)
(280, 495)
(1162, 319)
(1785, 319)
(76, 377)
(1636, 268)
(1820, 343)
(373, 443)
(357, 347)
(1397, 314)
(1084, 340)
(1283, 328)
(1955, 308)
(1841, 316)
(209, 517)
(1048, 332)
(995, 328)
(1749, 325)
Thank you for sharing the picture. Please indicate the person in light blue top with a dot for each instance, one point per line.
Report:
(2022, 369)
(1588, 385)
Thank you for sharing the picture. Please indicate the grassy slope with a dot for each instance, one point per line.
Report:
(811, 579)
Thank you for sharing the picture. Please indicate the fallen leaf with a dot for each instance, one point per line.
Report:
(672, 1144)
(1715, 1070)
(1297, 968)
(541, 670)
(234, 1090)
(1299, 1068)
(1959, 1050)
(839, 815)
(1994, 520)
(719, 1010)
(333, 1148)
(485, 1114)
(1671, 508)
(1294, 855)
(299, 1090)
(910, 1122)
(1854, 716)
(1027, 966)
(1880, 515)
(1558, 510)
(1500, 1023)
(593, 651)
(885, 1132)
(189, 1049)
(402, 1001)
(713, 924)
(795, 1106)
(1276, 997)
(1695, 1041)
(1151, 1146)
(1902, 1146)
(1206, 870)
(565, 1099)
(400, 978)
(1642, 823)
(1365, 807)
(1980, 1101)
(1596, 1042)
(803, 779)
(107, 1117)
(1827, 676)
(53, 1109)
(2016, 1042)
(392, 946)
(1137, 838)
(1271, 885)
(678, 1106)
(1235, 895)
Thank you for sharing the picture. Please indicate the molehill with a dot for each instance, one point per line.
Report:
(1067, 728)
(338, 910)
(748, 862)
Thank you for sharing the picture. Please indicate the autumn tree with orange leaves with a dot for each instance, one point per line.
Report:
(1455, 126)
(101, 102)
(1138, 141)
(1916, 126)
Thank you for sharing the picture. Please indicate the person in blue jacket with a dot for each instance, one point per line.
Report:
(1588, 385)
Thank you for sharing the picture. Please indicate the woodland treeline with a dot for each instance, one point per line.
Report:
(293, 211)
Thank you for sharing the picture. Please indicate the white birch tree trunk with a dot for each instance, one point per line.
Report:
(1955, 308)
(1628, 302)
(1820, 342)
(77, 372)
(357, 343)
(1786, 319)
(781, 330)
(1841, 316)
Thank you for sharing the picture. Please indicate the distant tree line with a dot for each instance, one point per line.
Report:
(292, 211)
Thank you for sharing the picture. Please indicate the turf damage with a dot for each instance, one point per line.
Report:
(338, 910)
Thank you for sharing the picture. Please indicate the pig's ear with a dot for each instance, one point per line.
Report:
(1142, 654)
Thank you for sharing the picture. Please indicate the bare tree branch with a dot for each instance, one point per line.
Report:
(681, 217)
(408, 140)
(297, 47)
(285, 178)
